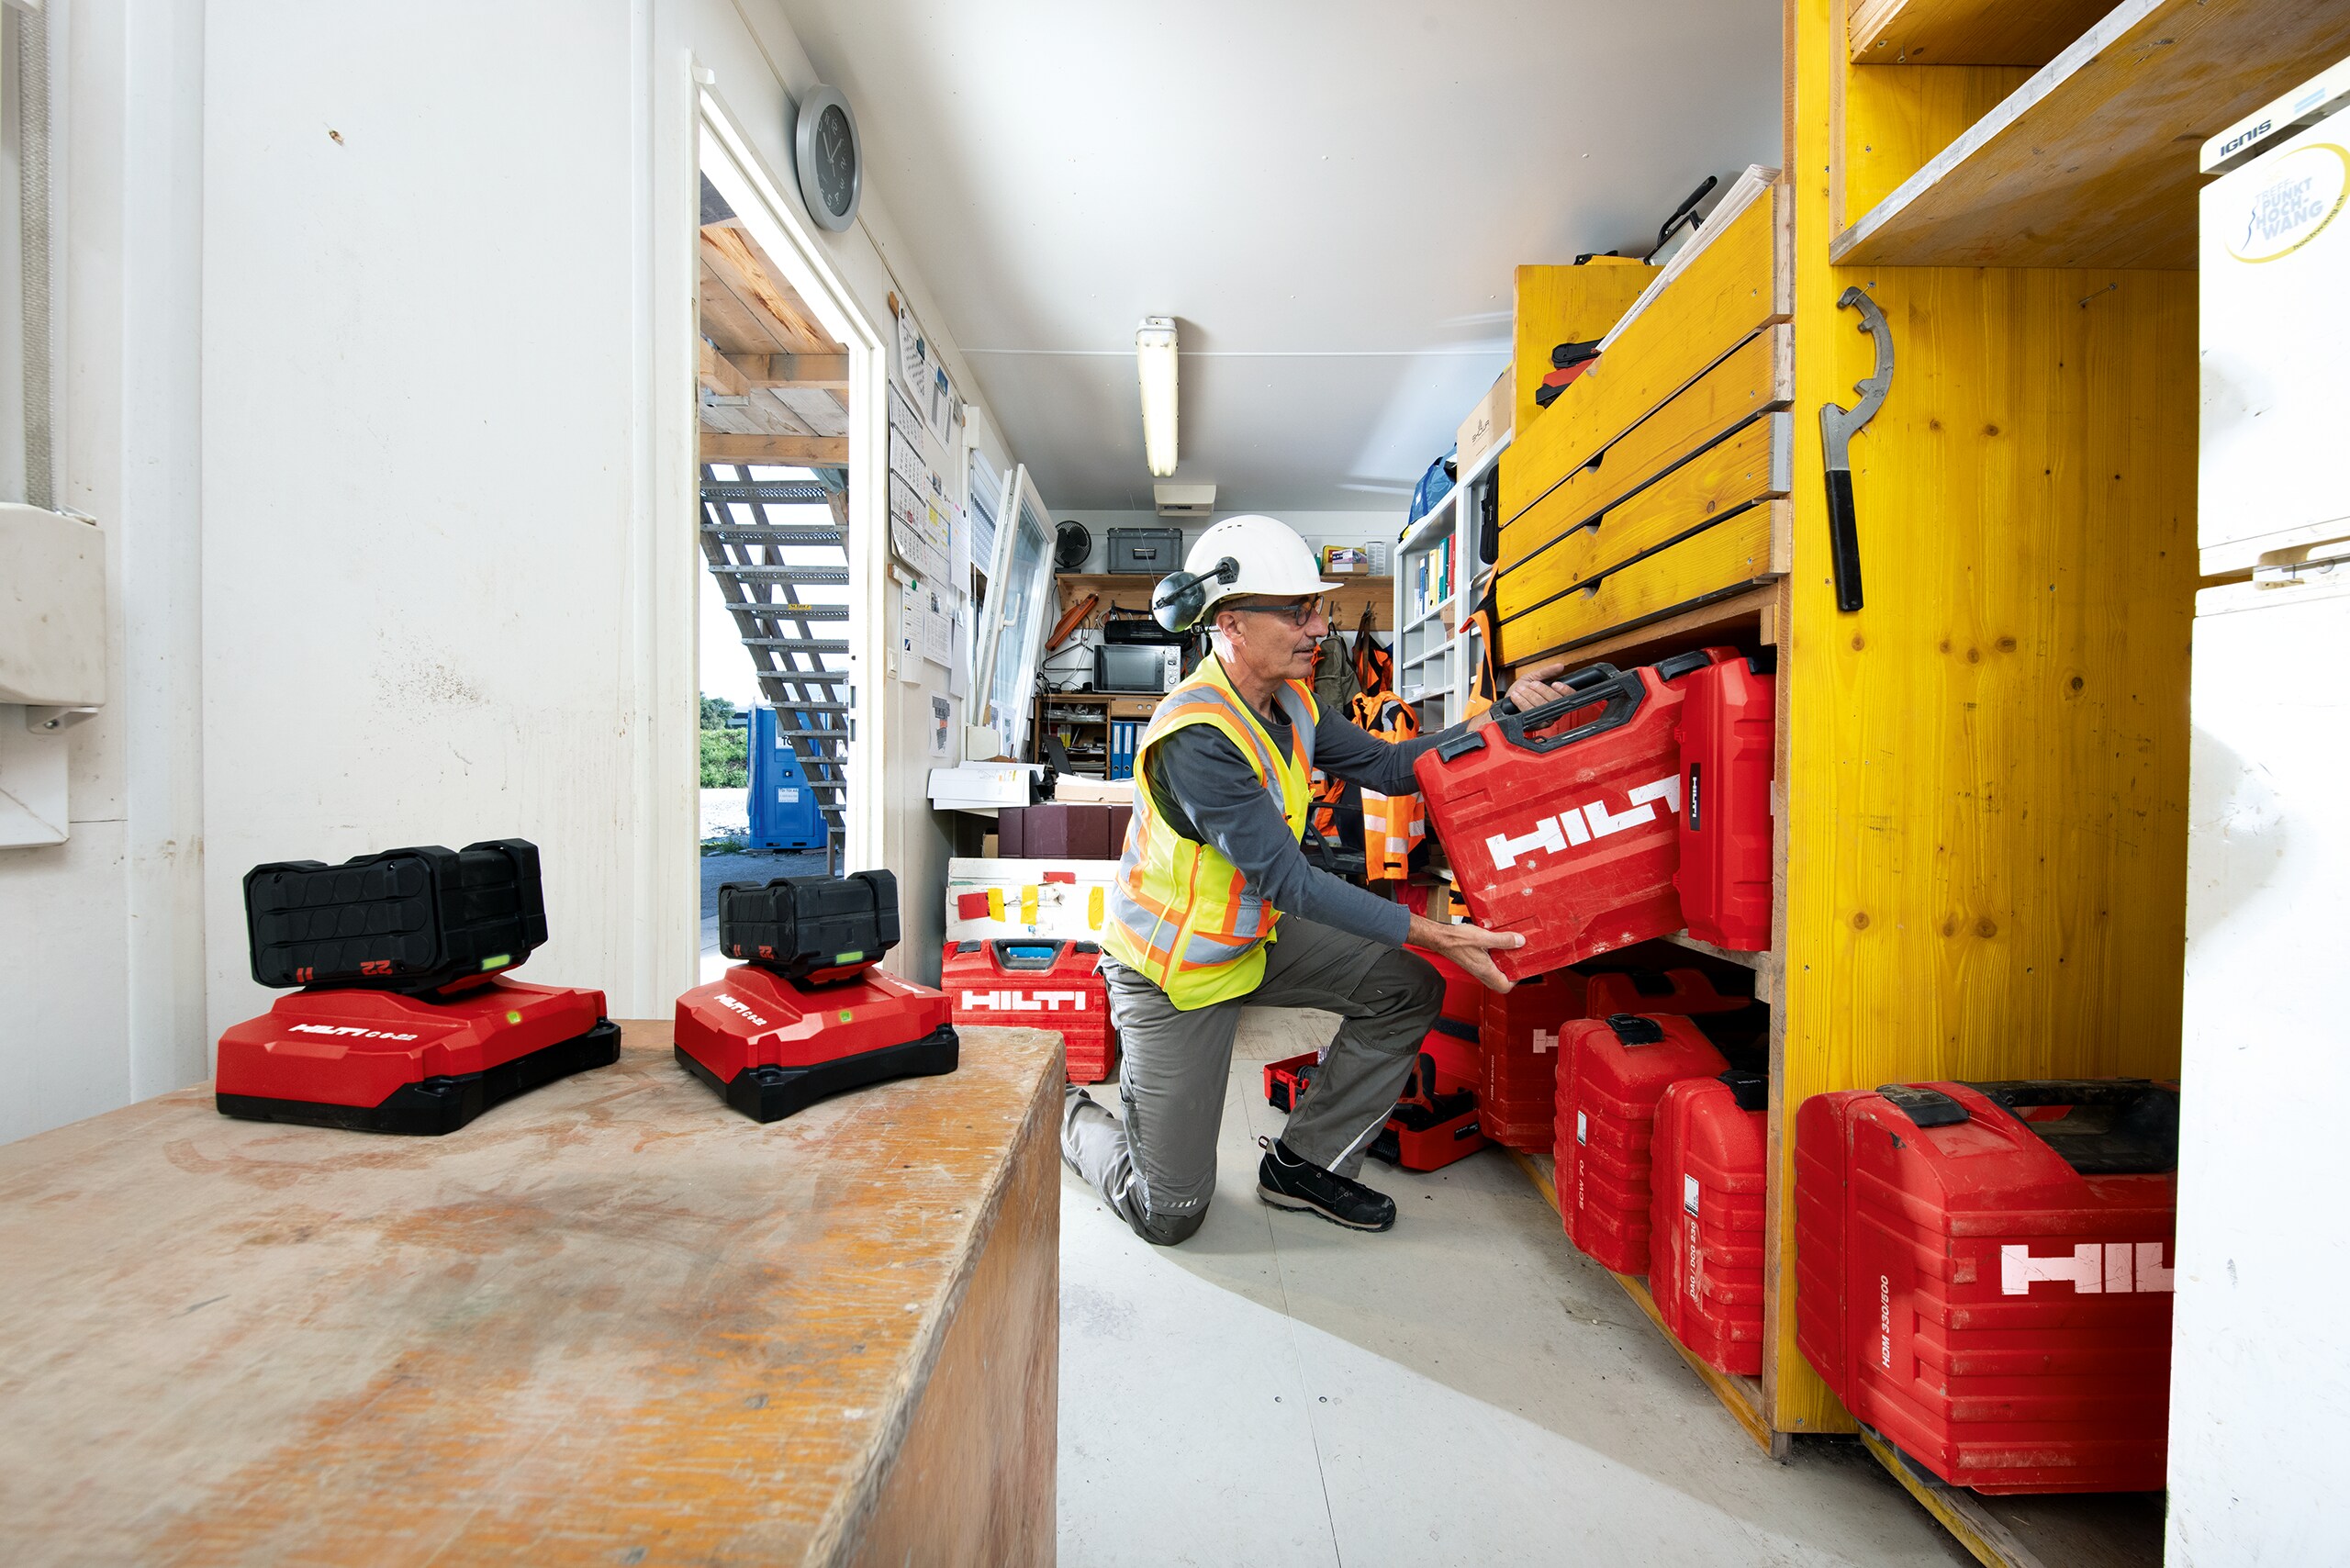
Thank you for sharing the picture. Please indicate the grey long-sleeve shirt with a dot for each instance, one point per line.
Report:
(1206, 791)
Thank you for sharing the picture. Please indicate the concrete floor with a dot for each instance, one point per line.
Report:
(1465, 1389)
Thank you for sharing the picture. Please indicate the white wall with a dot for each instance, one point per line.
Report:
(392, 432)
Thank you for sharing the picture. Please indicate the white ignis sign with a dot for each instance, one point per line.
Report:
(2305, 189)
(2112, 1268)
(1027, 1000)
(1581, 825)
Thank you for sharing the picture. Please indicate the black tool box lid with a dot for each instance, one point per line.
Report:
(410, 919)
(799, 927)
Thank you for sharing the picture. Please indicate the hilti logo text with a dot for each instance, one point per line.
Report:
(1581, 825)
(1025, 1001)
(727, 1002)
(347, 1031)
(2117, 1268)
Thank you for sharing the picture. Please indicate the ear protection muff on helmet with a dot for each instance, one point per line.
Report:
(1179, 601)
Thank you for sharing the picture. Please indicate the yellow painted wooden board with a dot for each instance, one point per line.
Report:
(1752, 464)
(1968, 32)
(2092, 161)
(1896, 119)
(612, 1321)
(1732, 290)
(1550, 305)
(1983, 785)
(1758, 375)
(1733, 551)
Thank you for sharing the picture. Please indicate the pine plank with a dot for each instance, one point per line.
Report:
(2092, 161)
(1967, 32)
(1758, 375)
(1729, 555)
(1737, 287)
(1751, 464)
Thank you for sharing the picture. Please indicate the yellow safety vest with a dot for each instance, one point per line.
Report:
(1179, 912)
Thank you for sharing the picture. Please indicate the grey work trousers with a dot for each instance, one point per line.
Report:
(1158, 1169)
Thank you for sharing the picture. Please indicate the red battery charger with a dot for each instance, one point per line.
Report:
(1706, 1217)
(807, 1015)
(1045, 983)
(405, 1023)
(1612, 1072)
(1988, 1287)
(1729, 722)
(1560, 822)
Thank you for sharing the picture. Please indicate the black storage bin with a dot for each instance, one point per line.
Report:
(797, 925)
(1154, 550)
(404, 920)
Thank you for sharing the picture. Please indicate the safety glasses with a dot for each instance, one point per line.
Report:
(1297, 613)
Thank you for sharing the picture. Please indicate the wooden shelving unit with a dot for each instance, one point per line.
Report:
(2091, 162)
(1967, 32)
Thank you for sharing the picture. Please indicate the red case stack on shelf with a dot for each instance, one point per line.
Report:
(2005, 1298)
(1705, 1211)
(1684, 992)
(1518, 1102)
(1569, 838)
(1612, 1071)
(1728, 721)
(1041, 984)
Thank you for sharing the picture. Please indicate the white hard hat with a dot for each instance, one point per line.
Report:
(1274, 562)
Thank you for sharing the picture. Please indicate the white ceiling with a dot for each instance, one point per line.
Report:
(1329, 196)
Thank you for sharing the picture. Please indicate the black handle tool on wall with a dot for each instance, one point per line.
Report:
(1837, 425)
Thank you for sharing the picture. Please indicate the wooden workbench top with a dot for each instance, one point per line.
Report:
(612, 1321)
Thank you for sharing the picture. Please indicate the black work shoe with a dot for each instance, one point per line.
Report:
(1287, 1181)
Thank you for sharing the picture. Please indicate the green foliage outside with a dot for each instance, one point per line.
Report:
(725, 754)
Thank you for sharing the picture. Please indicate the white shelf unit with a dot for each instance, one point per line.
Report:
(1437, 664)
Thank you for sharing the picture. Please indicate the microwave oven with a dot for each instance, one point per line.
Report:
(1136, 666)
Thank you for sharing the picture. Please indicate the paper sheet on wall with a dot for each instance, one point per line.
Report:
(910, 632)
(942, 726)
(959, 658)
(937, 626)
(909, 526)
(910, 366)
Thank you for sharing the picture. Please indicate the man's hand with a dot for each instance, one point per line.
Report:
(1466, 946)
(1532, 689)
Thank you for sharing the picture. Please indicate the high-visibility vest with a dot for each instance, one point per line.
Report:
(1180, 912)
(1392, 825)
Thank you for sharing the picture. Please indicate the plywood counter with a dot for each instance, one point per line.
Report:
(612, 1321)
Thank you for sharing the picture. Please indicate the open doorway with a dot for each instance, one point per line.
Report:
(778, 592)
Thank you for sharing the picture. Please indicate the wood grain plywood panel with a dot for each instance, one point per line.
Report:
(1757, 376)
(2092, 161)
(610, 1321)
(1550, 305)
(1729, 555)
(1967, 32)
(1734, 288)
(1896, 119)
(1752, 464)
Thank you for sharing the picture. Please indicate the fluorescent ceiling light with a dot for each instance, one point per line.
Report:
(1155, 358)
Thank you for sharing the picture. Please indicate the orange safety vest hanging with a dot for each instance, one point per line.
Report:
(1393, 826)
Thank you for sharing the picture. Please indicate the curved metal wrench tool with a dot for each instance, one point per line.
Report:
(1837, 425)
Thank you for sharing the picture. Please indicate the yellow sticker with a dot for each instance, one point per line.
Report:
(1093, 910)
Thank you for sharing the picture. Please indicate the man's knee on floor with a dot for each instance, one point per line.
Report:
(1172, 1230)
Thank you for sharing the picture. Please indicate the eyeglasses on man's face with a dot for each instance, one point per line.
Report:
(1296, 612)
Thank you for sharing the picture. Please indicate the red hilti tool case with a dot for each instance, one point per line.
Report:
(2005, 1301)
(1729, 722)
(1612, 1072)
(1430, 1128)
(1518, 1101)
(1561, 824)
(1046, 983)
(1706, 1217)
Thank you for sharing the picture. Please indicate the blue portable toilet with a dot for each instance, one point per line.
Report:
(785, 812)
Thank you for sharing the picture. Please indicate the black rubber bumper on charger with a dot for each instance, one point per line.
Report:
(438, 1105)
(771, 1093)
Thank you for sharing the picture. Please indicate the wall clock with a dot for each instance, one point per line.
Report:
(830, 160)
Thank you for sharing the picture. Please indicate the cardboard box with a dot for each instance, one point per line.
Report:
(1054, 831)
(1488, 421)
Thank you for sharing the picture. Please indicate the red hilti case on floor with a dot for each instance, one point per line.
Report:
(1559, 824)
(1430, 1128)
(1822, 1207)
(1706, 1217)
(1612, 1072)
(1286, 1080)
(1518, 1101)
(2007, 1281)
(1728, 723)
(1042, 984)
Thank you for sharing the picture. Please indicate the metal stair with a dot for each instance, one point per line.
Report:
(804, 676)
